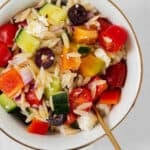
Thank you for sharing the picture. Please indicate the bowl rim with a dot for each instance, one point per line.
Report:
(136, 95)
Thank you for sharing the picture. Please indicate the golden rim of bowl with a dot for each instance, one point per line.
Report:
(3, 3)
(135, 99)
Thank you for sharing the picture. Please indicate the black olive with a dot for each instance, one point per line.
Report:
(44, 57)
(57, 119)
(78, 14)
(63, 2)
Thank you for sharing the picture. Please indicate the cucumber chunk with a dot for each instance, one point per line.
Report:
(54, 86)
(54, 14)
(7, 103)
(27, 42)
(60, 103)
(16, 113)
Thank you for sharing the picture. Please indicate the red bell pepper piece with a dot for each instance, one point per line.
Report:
(110, 97)
(38, 127)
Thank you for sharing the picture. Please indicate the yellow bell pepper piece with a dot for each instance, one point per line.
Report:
(91, 65)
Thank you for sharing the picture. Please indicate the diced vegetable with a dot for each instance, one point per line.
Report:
(85, 36)
(91, 65)
(7, 33)
(11, 82)
(84, 50)
(79, 96)
(116, 74)
(7, 103)
(113, 38)
(104, 23)
(5, 55)
(38, 127)
(75, 125)
(97, 87)
(26, 75)
(70, 63)
(27, 42)
(19, 116)
(110, 96)
(60, 104)
(71, 118)
(87, 121)
(54, 14)
(32, 99)
(54, 87)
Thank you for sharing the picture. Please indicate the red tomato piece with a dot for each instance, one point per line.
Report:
(32, 99)
(71, 118)
(110, 97)
(7, 33)
(113, 38)
(104, 23)
(38, 127)
(79, 96)
(5, 55)
(116, 74)
(99, 88)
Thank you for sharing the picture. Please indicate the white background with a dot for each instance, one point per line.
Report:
(134, 132)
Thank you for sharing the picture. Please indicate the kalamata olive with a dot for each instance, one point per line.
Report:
(44, 57)
(78, 14)
(57, 119)
(63, 2)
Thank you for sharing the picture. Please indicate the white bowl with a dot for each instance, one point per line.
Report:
(16, 131)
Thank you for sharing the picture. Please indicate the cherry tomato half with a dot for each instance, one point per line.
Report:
(32, 99)
(79, 96)
(7, 33)
(5, 55)
(113, 38)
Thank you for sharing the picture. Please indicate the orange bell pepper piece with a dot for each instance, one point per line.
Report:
(11, 82)
(70, 63)
(84, 35)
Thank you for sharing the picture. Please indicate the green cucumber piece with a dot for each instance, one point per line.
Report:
(75, 125)
(7, 103)
(54, 14)
(27, 42)
(54, 87)
(60, 103)
(16, 113)
(84, 50)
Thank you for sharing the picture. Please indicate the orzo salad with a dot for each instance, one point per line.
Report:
(58, 59)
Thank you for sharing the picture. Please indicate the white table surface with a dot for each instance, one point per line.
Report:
(134, 132)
